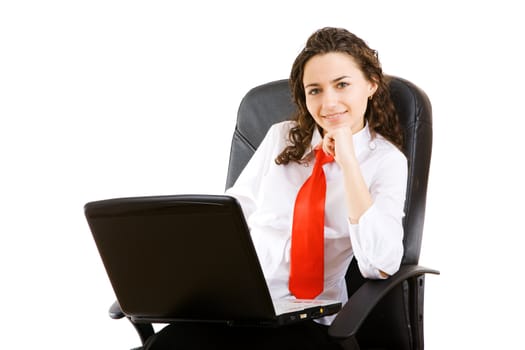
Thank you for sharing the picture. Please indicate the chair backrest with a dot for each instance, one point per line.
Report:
(270, 103)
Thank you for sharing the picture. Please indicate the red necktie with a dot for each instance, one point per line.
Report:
(307, 251)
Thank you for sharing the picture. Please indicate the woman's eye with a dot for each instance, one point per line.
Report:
(313, 92)
(342, 84)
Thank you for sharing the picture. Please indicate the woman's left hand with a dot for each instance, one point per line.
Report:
(339, 144)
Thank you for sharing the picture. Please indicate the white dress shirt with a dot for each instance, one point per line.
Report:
(267, 193)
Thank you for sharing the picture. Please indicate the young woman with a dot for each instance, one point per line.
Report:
(345, 115)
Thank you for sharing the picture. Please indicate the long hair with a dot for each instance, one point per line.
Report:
(380, 113)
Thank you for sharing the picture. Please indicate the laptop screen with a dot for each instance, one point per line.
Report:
(180, 257)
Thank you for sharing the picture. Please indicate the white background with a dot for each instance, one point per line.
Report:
(102, 99)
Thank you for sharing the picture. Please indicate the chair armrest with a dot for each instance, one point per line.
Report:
(115, 312)
(363, 301)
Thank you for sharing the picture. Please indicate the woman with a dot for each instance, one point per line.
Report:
(344, 114)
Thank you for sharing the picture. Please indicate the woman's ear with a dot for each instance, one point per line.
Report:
(372, 88)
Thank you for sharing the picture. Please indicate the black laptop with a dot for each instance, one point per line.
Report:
(188, 258)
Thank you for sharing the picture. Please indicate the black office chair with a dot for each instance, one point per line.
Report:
(380, 314)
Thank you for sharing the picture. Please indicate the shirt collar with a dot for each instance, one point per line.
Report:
(362, 140)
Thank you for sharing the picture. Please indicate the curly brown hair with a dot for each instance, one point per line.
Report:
(380, 114)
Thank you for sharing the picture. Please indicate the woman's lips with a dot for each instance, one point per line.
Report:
(334, 115)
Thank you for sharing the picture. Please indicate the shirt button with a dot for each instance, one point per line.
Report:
(372, 145)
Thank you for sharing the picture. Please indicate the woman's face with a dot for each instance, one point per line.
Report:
(336, 91)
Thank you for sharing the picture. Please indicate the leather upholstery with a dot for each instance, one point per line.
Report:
(396, 320)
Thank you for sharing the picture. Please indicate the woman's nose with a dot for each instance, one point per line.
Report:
(329, 98)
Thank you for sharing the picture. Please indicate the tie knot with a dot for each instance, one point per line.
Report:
(322, 158)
